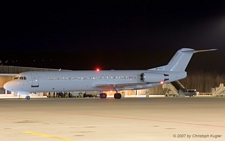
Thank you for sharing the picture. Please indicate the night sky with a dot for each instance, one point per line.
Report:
(111, 34)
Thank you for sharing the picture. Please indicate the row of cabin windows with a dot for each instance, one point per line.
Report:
(100, 77)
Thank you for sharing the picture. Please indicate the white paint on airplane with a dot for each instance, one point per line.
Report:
(105, 80)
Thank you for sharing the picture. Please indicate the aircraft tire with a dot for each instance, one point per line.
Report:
(117, 96)
(27, 97)
(103, 95)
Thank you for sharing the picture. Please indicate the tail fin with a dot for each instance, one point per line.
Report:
(180, 60)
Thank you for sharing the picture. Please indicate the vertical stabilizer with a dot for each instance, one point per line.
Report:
(180, 60)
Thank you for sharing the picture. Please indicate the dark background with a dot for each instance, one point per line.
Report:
(82, 35)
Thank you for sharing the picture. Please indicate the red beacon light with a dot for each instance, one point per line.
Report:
(97, 69)
(161, 82)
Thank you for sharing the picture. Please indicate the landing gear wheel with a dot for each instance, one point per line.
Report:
(117, 95)
(103, 95)
(27, 97)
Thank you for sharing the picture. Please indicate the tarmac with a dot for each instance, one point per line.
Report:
(127, 119)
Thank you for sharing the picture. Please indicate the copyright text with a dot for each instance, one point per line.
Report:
(212, 136)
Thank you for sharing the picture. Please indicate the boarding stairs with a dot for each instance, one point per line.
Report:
(175, 89)
(219, 91)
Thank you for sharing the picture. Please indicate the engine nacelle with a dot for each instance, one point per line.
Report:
(152, 77)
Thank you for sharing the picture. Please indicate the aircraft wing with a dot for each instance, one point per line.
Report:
(123, 85)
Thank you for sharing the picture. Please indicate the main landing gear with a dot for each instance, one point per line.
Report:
(116, 95)
(103, 95)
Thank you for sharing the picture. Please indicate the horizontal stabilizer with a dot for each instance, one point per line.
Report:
(206, 50)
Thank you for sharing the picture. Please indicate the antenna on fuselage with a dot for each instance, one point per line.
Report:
(59, 69)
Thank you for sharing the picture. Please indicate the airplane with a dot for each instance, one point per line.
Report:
(104, 80)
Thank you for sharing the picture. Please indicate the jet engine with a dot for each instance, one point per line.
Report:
(152, 77)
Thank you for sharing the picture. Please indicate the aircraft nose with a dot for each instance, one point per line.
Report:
(8, 85)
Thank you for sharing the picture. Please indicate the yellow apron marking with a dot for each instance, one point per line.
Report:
(47, 136)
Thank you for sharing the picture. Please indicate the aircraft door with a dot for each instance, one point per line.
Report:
(34, 79)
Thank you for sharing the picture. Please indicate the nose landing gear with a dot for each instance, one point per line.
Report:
(27, 97)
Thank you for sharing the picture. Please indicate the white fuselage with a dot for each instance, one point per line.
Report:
(65, 81)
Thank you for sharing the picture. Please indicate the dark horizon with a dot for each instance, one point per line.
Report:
(111, 35)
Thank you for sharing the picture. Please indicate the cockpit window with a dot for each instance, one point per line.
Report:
(16, 78)
(22, 78)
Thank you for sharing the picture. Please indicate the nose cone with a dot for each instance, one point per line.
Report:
(8, 86)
